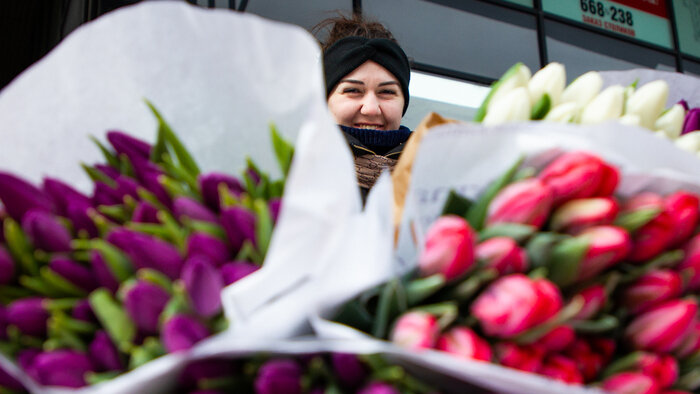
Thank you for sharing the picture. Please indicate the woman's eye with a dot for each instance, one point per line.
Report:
(351, 90)
(388, 91)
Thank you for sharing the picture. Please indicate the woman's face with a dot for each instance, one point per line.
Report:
(369, 97)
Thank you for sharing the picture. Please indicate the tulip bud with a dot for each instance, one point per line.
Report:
(513, 106)
(108, 170)
(19, 196)
(579, 174)
(275, 205)
(149, 175)
(630, 382)
(689, 142)
(525, 358)
(74, 273)
(145, 213)
(689, 267)
(125, 144)
(576, 215)
(550, 80)
(561, 368)
(83, 311)
(648, 102)
(28, 315)
(525, 202)
(690, 344)
(144, 303)
(562, 113)
(607, 246)
(378, 388)
(104, 276)
(63, 195)
(557, 339)
(691, 122)
(594, 299)
(449, 248)
(208, 369)
(671, 122)
(103, 354)
(652, 238)
(203, 283)
(589, 362)
(664, 327)
(415, 330)
(652, 289)
(46, 232)
(583, 89)
(605, 106)
(662, 368)
(209, 246)
(239, 224)
(209, 184)
(279, 376)
(193, 209)
(684, 208)
(7, 266)
(146, 251)
(181, 332)
(514, 303)
(65, 368)
(517, 76)
(463, 342)
(502, 254)
(348, 368)
(233, 271)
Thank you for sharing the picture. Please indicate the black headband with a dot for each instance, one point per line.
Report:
(350, 52)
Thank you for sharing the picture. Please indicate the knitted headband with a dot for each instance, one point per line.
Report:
(350, 52)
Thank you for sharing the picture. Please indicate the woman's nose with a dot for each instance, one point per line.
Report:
(370, 105)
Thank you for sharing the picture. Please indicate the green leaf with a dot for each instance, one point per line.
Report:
(565, 260)
(115, 212)
(249, 253)
(565, 314)
(110, 157)
(446, 312)
(419, 289)
(477, 212)
(93, 378)
(456, 204)
(283, 150)
(603, 324)
(481, 112)
(113, 318)
(204, 227)
(11, 293)
(392, 301)
(541, 107)
(98, 176)
(179, 302)
(664, 260)
(689, 381)
(19, 247)
(156, 277)
(516, 231)
(626, 363)
(539, 248)
(59, 282)
(355, 314)
(40, 286)
(263, 225)
(151, 198)
(183, 156)
(466, 289)
(632, 221)
(118, 263)
(182, 175)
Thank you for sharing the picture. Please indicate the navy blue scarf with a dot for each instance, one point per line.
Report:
(379, 138)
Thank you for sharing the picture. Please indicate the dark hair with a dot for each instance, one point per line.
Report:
(342, 26)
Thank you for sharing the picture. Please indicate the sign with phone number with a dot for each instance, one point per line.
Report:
(644, 20)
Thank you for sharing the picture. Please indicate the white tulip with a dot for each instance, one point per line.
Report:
(689, 141)
(671, 122)
(518, 76)
(512, 107)
(583, 89)
(563, 113)
(648, 102)
(629, 120)
(551, 80)
(605, 106)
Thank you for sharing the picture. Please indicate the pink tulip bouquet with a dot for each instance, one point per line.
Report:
(95, 285)
(553, 273)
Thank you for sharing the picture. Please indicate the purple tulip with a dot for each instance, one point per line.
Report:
(144, 302)
(28, 315)
(7, 266)
(60, 368)
(46, 232)
(106, 195)
(212, 368)
(8, 381)
(83, 311)
(25, 358)
(684, 104)
(182, 332)
(209, 184)
(193, 209)
(280, 376)
(209, 246)
(78, 215)
(275, 204)
(239, 224)
(108, 170)
(692, 121)
(145, 213)
(236, 270)
(74, 272)
(125, 144)
(148, 174)
(18, 197)
(378, 388)
(104, 354)
(254, 175)
(146, 251)
(103, 274)
(348, 368)
(63, 195)
(203, 283)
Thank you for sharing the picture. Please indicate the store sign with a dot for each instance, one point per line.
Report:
(644, 20)
(687, 14)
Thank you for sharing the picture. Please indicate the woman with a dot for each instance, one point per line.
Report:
(367, 75)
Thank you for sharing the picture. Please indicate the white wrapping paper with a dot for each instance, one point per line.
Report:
(681, 86)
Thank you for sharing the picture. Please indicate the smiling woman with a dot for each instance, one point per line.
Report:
(367, 75)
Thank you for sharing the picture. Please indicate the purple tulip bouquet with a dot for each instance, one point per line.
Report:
(92, 286)
(553, 272)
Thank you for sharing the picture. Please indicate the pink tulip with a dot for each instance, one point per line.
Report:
(683, 208)
(576, 215)
(579, 175)
(655, 236)
(588, 361)
(608, 245)
(525, 202)
(449, 248)
(561, 368)
(525, 358)
(416, 330)
(557, 339)
(664, 327)
(690, 344)
(502, 254)
(630, 383)
(662, 368)
(463, 342)
(514, 303)
(652, 289)
(604, 346)
(689, 267)
(594, 298)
